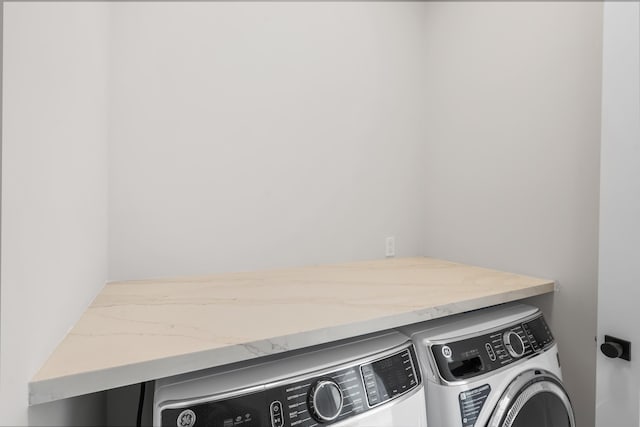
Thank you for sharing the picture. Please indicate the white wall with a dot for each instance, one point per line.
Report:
(513, 156)
(618, 381)
(54, 193)
(258, 135)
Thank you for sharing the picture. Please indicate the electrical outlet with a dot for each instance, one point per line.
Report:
(390, 247)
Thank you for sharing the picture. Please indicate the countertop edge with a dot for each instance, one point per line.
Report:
(49, 390)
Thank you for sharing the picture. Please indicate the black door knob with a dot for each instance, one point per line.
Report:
(616, 348)
(611, 349)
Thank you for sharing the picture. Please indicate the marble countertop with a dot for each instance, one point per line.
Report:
(142, 330)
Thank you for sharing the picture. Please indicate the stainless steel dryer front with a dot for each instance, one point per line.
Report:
(373, 381)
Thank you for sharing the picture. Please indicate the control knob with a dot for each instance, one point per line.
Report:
(325, 400)
(513, 343)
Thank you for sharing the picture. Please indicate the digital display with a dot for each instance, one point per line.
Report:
(540, 331)
(389, 377)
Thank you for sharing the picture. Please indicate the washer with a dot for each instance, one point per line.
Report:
(496, 367)
(373, 381)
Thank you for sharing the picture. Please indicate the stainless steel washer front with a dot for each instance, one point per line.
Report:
(496, 367)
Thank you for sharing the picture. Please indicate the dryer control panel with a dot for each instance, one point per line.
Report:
(316, 399)
(477, 355)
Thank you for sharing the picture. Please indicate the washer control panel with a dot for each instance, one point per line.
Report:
(478, 355)
(322, 399)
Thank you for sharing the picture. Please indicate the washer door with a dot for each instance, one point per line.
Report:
(535, 398)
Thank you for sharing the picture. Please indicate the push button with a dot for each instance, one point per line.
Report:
(277, 420)
(490, 352)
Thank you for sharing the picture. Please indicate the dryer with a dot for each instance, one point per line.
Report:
(371, 381)
(495, 367)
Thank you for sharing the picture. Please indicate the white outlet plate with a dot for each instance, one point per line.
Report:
(390, 247)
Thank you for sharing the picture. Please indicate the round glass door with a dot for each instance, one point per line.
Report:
(534, 399)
